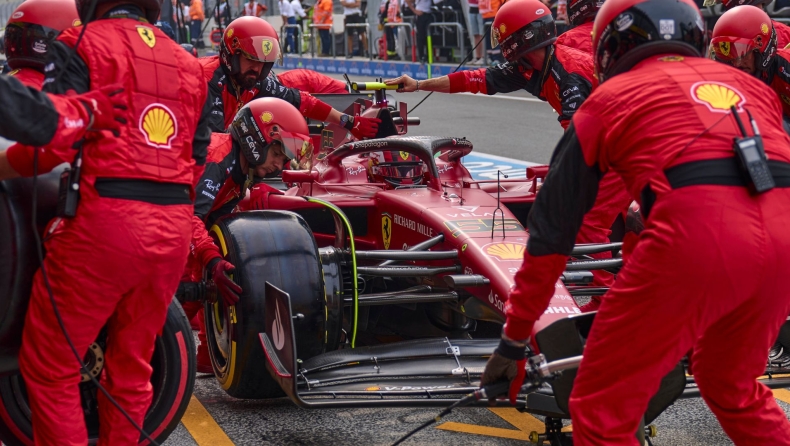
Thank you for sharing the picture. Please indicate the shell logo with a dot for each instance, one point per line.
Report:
(159, 126)
(229, 33)
(716, 96)
(76, 22)
(266, 117)
(671, 59)
(506, 251)
(502, 28)
(764, 28)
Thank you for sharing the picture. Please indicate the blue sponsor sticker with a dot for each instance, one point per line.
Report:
(378, 70)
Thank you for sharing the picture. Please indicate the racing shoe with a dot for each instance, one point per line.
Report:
(778, 358)
(204, 360)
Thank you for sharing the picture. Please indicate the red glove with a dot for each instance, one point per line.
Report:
(226, 287)
(106, 107)
(365, 127)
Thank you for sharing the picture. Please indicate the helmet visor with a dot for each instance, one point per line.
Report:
(28, 40)
(297, 147)
(259, 48)
(731, 50)
(535, 35)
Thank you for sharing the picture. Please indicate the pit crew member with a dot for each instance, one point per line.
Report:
(581, 14)
(782, 30)
(234, 159)
(117, 260)
(708, 270)
(240, 73)
(744, 38)
(30, 30)
(526, 31)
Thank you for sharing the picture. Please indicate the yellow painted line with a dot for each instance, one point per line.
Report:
(485, 430)
(202, 426)
(524, 422)
(782, 395)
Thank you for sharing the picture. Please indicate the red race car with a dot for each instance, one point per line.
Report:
(378, 277)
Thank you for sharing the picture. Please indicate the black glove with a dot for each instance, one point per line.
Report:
(508, 363)
(226, 287)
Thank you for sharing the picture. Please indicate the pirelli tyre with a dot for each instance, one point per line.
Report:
(264, 246)
(173, 379)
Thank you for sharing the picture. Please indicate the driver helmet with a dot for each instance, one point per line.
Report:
(263, 123)
(582, 11)
(253, 38)
(729, 4)
(521, 26)
(628, 31)
(32, 27)
(395, 168)
(741, 32)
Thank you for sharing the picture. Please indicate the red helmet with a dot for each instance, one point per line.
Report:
(729, 4)
(253, 38)
(583, 11)
(628, 31)
(395, 168)
(521, 26)
(150, 8)
(266, 121)
(741, 32)
(32, 27)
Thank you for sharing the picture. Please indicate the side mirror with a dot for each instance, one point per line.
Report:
(534, 173)
(299, 176)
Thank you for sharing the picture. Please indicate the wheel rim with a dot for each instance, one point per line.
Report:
(221, 344)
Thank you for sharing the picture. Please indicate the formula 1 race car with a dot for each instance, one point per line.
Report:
(173, 361)
(378, 278)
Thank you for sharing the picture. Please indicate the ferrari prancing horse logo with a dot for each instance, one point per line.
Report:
(386, 230)
(267, 47)
(147, 35)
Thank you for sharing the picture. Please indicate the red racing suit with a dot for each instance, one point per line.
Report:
(565, 81)
(28, 76)
(117, 262)
(218, 192)
(778, 77)
(226, 101)
(782, 34)
(311, 82)
(579, 37)
(707, 272)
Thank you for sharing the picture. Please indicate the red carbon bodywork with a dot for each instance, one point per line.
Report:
(457, 206)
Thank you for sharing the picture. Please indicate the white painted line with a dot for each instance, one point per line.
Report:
(504, 159)
(499, 96)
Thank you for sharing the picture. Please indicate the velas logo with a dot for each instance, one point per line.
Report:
(506, 251)
(158, 125)
(717, 97)
(386, 230)
(267, 46)
(373, 389)
(266, 117)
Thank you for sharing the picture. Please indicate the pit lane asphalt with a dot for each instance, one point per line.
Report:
(519, 128)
